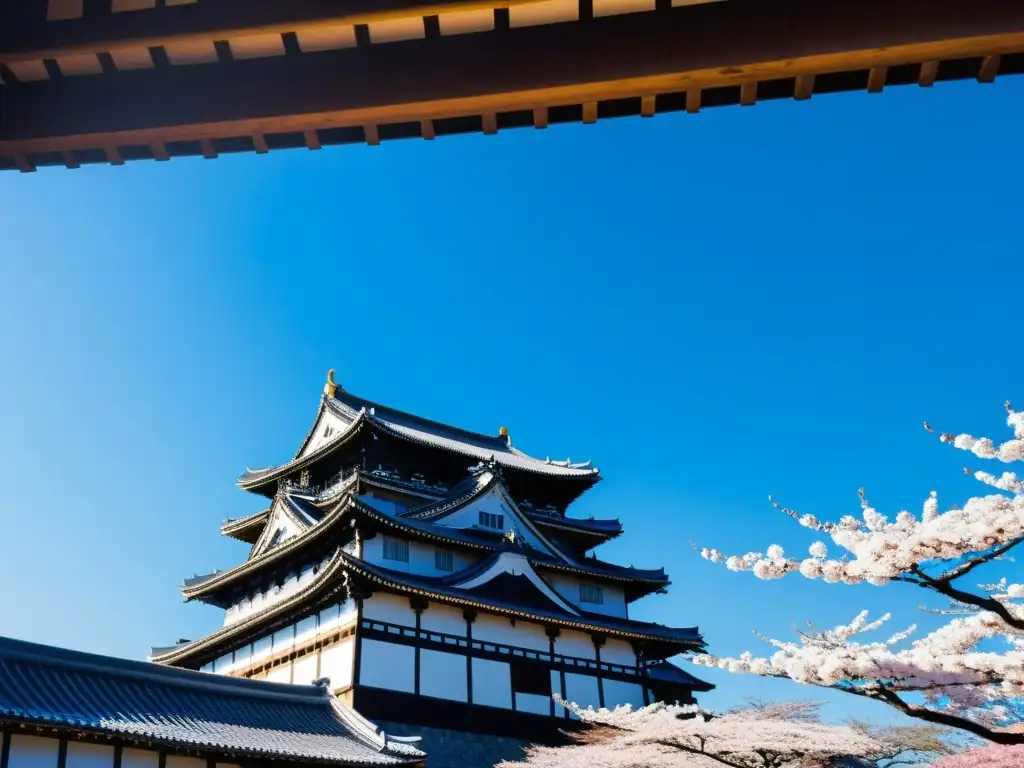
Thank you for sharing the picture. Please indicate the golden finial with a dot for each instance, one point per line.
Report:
(503, 432)
(330, 387)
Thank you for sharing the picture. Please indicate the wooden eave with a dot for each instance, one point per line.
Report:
(665, 59)
(206, 590)
(326, 583)
(247, 529)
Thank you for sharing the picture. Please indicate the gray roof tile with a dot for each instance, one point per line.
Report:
(166, 706)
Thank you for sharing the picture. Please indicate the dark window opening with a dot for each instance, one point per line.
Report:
(531, 678)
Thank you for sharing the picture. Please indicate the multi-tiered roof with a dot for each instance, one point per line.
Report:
(363, 469)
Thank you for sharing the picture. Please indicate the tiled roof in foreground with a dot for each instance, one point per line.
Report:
(170, 707)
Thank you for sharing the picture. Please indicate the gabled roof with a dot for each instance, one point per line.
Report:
(156, 705)
(355, 413)
(329, 581)
(453, 589)
(247, 529)
(465, 588)
(600, 530)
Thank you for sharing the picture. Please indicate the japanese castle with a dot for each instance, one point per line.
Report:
(431, 578)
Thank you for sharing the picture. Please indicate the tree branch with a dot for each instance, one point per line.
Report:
(702, 753)
(941, 718)
(964, 568)
(943, 587)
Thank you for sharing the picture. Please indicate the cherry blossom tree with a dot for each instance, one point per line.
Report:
(967, 674)
(787, 735)
(992, 756)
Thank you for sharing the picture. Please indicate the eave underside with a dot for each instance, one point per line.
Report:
(668, 59)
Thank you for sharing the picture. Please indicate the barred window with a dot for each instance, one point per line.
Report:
(491, 520)
(591, 593)
(396, 549)
(444, 560)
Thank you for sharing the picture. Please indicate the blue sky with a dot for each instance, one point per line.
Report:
(712, 307)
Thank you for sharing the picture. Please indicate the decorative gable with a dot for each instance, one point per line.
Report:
(327, 427)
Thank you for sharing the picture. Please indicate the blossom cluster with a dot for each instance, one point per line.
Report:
(986, 757)
(663, 735)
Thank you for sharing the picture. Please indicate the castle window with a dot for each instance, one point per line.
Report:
(444, 560)
(591, 593)
(531, 678)
(396, 549)
(490, 520)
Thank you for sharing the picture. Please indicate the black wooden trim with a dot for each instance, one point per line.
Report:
(119, 756)
(5, 749)
(211, 762)
(408, 637)
(162, 759)
(561, 676)
(62, 752)
(552, 634)
(378, 704)
(598, 642)
(357, 652)
(470, 617)
(416, 653)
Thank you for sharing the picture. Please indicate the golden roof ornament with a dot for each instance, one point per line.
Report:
(503, 432)
(330, 387)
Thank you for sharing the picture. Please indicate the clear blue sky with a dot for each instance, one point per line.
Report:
(712, 307)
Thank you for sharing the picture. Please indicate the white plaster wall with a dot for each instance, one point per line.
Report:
(304, 669)
(443, 618)
(305, 630)
(492, 683)
(390, 608)
(442, 675)
(497, 629)
(175, 761)
(616, 651)
(33, 752)
(336, 663)
(284, 639)
(569, 588)
(83, 755)
(533, 702)
(578, 644)
(387, 665)
(422, 560)
(617, 693)
(327, 419)
(492, 502)
(582, 690)
(556, 687)
(282, 673)
(139, 758)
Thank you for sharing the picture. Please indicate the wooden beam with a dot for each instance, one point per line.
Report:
(312, 139)
(648, 106)
(748, 94)
(28, 39)
(113, 156)
(926, 75)
(540, 117)
(206, 148)
(876, 79)
(989, 68)
(69, 160)
(260, 144)
(372, 135)
(159, 150)
(490, 123)
(427, 129)
(693, 100)
(685, 49)
(589, 112)
(803, 88)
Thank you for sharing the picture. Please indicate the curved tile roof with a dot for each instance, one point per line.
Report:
(166, 706)
(355, 411)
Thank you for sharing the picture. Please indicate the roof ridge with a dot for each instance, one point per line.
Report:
(497, 439)
(23, 650)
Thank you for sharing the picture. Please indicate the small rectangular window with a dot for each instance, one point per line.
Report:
(531, 678)
(396, 549)
(443, 560)
(491, 520)
(591, 593)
